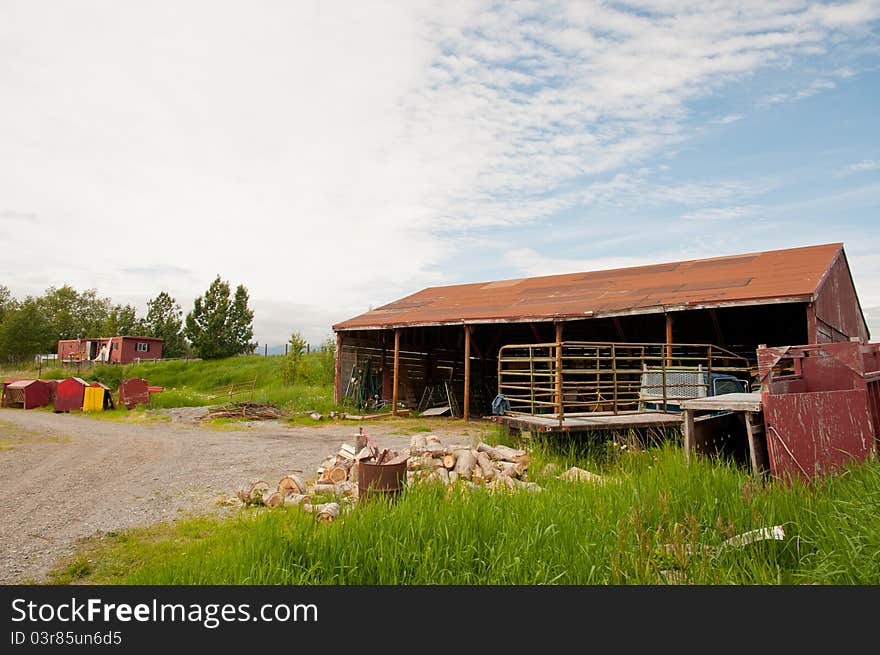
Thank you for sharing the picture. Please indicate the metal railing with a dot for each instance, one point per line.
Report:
(574, 377)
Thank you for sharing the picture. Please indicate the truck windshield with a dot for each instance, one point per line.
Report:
(728, 386)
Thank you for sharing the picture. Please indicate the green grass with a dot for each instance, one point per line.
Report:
(194, 383)
(653, 514)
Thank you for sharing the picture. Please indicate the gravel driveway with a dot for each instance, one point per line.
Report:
(64, 477)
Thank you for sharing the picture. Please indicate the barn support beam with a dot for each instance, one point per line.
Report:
(396, 372)
(337, 371)
(559, 398)
(466, 410)
(669, 340)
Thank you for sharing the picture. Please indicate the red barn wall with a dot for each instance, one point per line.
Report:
(837, 310)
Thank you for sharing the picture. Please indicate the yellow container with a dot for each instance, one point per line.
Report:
(93, 399)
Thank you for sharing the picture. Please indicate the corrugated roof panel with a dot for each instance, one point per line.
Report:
(775, 274)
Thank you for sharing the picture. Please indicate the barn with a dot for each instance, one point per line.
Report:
(26, 394)
(453, 341)
(113, 350)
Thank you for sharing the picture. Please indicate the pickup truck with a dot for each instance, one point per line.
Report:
(684, 384)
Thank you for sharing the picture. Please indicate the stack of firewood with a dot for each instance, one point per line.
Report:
(290, 492)
(496, 467)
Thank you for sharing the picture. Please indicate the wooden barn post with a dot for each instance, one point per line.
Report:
(466, 412)
(396, 372)
(337, 371)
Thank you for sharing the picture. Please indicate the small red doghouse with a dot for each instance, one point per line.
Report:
(70, 394)
(26, 394)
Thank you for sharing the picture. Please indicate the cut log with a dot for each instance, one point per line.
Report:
(432, 439)
(294, 499)
(443, 475)
(323, 488)
(315, 416)
(485, 465)
(575, 474)
(273, 499)
(489, 450)
(449, 461)
(509, 454)
(252, 492)
(465, 461)
(437, 450)
(327, 512)
(418, 441)
(346, 488)
(453, 477)
(365, 453)
(291, 483)
(336, 474)
(507, 468)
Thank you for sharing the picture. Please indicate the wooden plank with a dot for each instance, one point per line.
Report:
(688, 431)
(396, 373)
(753, 445)
(466, 410)
(734, 402)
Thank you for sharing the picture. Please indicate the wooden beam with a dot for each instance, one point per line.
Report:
(688, 430)
(719, 336)
(812, 328)
(559, 398)
(337, 371)
(619, 327)
(467, 373)
(535, 332)
(669, 339)
(396, 372)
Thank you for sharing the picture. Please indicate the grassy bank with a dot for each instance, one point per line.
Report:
(654, 520)
(192, 383)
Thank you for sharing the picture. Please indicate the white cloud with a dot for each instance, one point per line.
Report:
(863, 166)
(717, 214)
(816, 86)
(728, 119)
(326, 155)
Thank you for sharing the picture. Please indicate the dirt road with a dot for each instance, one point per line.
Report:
(64, 477)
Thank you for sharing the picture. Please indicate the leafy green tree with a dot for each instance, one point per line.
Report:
(218, 325)
(165, 321)
(74, 315)
(7, 302)
(122, 320)
(24, 332)
(296, 348)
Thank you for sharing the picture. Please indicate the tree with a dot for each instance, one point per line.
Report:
(219, 326)
(7, 302)
(165, 321)
(122, 320)
(24, 332)
(295, 351)
(74, 315)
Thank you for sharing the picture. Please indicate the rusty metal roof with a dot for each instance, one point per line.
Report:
(791, 275)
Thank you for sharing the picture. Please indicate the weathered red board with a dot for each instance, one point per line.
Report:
(70, 394)
(811, 434)
(134, 392)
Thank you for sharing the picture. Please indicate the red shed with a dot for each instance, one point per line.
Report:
(26, 394)
(134, 392)
(114, 350)
(70, 394)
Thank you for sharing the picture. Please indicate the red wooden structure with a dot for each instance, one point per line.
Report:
(26, 394)
(70, 394)
(134, 392)
(113, 350)
(821, 406)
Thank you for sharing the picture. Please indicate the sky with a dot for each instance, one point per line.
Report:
(334, 157)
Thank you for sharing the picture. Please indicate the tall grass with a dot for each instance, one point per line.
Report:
(654, 520)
